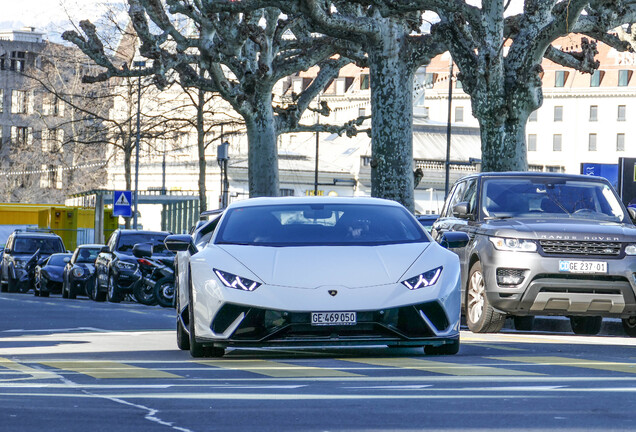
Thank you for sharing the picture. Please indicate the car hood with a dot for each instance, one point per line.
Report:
(53, 273)
(561, 229)
(316, 266)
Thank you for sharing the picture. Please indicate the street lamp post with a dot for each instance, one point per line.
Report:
(317, 148)
(139, 65)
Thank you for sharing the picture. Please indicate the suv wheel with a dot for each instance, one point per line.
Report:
(114, 296)
(480, 316)
(586, 325)
(629, 325)
(98, 295)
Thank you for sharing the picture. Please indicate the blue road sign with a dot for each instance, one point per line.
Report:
(122, 203)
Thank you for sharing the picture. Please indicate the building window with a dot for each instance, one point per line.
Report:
(52, 106)
(620, 142)
(19, 102)
(556, 142)
(591, 142)
(532, 142)
(533, 116)
(429, 80)
(1, 101)
(362, 112)
(286, 192)
(51, 177)
(624, 76)
(52, 140)
(459, 85)
(20, 135)
(366, 160)
(621, 112)
(364, 82)
(459, 114)
(559, 78)
(18, 59)
(593, 113)
(595, 79)
(558, 113)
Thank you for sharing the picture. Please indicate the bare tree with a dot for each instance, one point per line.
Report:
(242, 55)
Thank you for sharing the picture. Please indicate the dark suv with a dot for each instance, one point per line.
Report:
(23, 250)
(117, 269)
(542, 244)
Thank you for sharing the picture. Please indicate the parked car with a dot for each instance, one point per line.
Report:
(427, 220)
(117, 270)
(21, 248)
(317, 271)
(542, 244)
(48, 274)
(79, 273)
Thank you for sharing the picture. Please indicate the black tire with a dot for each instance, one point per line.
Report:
(480, 316)
(164, 291)
(144, 294)
(36, 293)
(71, 292)
(4, 287)
(183, 339)
(65, 293)
(98, 296)
(25, 287)
(629, 325)
(523, 323)
(586, 325)
(114, 296)
(446, 349)
(45, 294)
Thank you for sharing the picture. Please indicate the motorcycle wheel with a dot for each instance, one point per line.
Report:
(144, 294)
(164, 291)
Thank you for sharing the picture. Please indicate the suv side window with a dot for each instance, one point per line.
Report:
(470, 195)
(457, 195)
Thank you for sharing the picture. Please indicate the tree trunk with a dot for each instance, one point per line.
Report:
(201, 147)
(263, 152)
(391, 78)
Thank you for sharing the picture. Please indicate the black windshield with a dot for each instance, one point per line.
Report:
(322, 224)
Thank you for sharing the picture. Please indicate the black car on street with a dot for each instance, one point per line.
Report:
(48, 275)
(79, 273)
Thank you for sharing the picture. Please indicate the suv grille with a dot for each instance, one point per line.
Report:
(570, 247)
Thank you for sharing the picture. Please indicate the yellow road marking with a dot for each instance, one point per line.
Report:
(18, 367)
(106, 369)
(275, 369)
(499, 347)
(439, 367)
(573, 362)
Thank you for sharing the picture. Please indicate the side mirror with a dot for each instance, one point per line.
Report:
(180, 243)
(632, 213)
(142, 250)
(104, 249)
(460, 210)
(454, 239)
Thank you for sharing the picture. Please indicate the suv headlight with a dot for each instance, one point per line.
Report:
(123, 265)
(513, 244)
(630, 249)
(423, 280)
(233, 281)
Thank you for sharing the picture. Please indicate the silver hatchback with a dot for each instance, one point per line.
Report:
(542, 244)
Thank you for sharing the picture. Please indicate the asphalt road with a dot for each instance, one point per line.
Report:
(77, 365)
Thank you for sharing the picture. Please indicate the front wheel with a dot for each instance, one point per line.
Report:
(144, 294)
(114, 296)
(164, 291)
(98, 295)
(586, 325)
(480, 316)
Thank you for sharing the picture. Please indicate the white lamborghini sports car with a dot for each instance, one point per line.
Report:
(316, 271)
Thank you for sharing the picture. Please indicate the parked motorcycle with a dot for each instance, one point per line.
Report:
(156, 284)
